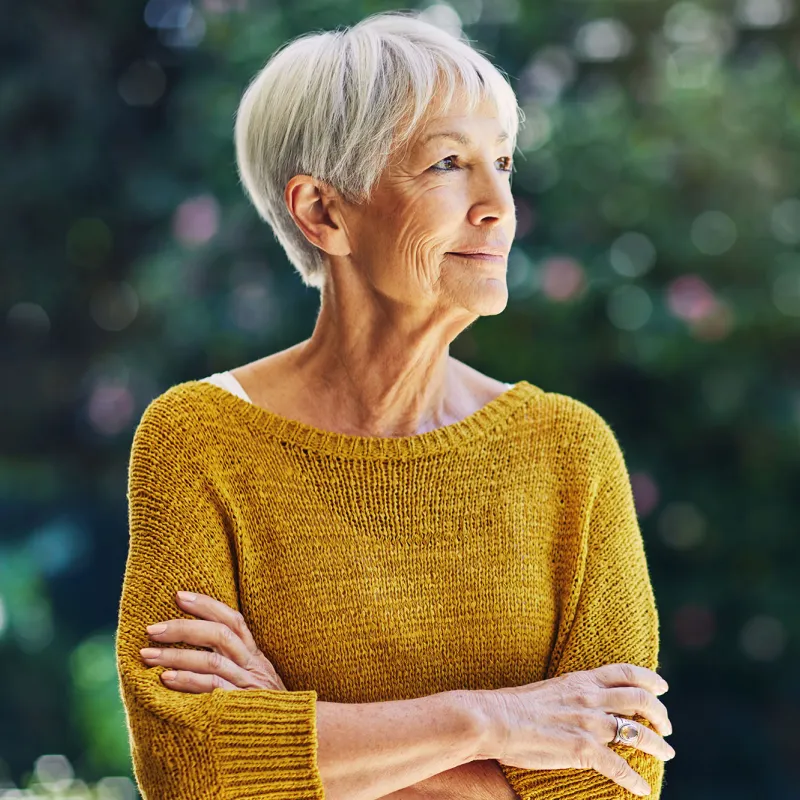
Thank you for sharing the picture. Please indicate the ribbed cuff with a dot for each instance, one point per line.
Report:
(575, 784)
(265, 743)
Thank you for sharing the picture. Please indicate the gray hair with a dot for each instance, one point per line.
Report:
(337, 105)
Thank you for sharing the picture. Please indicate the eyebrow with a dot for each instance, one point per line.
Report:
(459, 137)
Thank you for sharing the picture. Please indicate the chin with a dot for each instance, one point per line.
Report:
(486, 298)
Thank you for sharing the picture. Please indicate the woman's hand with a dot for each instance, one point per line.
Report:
(567, 722)
(235, 663)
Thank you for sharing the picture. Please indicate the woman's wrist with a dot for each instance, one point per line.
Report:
(490, 733)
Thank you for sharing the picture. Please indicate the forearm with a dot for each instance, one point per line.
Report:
(370, 750)
(477, 780)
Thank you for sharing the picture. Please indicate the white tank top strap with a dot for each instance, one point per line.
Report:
(225, 380)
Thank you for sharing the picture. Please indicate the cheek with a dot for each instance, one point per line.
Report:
(426, 224)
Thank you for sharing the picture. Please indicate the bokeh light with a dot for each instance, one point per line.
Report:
(763, 13)
(603, 40)
(114, 306)
(143, 83)
(538, 129)
(645, 493)
(763, 638)
(546, 75)
(785, 221)
(28, 319)
(562, 278)
(54, 773)
(713, 233)
(632, 254)
(196, 220)
(110, 407)
(33, 625)
(252, 308)
(629, 307)
(682, 525)
(443, 16)
(690, 298)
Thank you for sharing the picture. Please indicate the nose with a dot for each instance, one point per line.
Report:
(492, 200)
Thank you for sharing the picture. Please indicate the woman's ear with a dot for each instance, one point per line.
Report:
(314, 206)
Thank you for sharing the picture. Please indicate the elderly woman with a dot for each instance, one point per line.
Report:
(377, 572)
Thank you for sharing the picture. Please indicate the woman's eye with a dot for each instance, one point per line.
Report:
(439, 169)
(509, 165)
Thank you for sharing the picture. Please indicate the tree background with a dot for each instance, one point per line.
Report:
(655, 277)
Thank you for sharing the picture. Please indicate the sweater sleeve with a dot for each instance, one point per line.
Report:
(226, 745)
(610, 618)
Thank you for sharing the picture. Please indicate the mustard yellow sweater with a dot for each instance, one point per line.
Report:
(496, 551)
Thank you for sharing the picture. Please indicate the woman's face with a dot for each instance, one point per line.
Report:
(448, 192)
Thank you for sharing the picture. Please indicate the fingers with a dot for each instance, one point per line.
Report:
(193, 683)
(199, 661)
(608, 763)
(202, 633)
(209, 608)
(648, 740)
(630, 675)
(630, 700)
(223, 630)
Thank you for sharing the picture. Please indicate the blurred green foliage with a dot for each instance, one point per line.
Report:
(655, 276)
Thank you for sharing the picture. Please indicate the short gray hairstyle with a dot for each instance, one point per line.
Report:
(337, 105)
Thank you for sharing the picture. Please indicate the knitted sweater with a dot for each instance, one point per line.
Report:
(497, 551)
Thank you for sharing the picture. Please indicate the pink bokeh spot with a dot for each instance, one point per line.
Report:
(690, 298)
(717, 325)
(196, 220)
(562, 278)
(645, 493)
(110, 408)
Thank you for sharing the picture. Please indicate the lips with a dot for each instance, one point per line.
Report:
(481, 256)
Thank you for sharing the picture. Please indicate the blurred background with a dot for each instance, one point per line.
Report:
(655, 277)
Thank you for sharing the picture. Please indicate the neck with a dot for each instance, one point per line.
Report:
(383, 370)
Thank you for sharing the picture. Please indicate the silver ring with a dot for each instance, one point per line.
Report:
(627, 731)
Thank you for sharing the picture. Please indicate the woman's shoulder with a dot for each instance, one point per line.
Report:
(574, 425)
(179, 413)
(570, 409)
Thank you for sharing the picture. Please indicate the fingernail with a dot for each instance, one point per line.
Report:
(150, 652)
(159, 628)
(187, 596)
(663, 687)
(169, 675)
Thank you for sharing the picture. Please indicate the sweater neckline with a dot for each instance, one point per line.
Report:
(309, 437)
